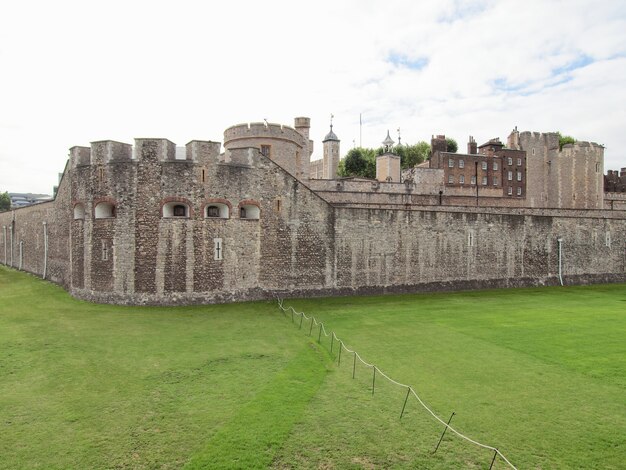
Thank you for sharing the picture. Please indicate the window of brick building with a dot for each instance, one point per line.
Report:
(484, 166)
(519, 176)
(519, 162)
(450, 179)
(510, 191)
(462, 179)
(461, 163)
(519, 191)
(484, 181)
(473, 179)
(451, 162)
(510, 175)
(495, 166)
(495, 181)
(510, 161)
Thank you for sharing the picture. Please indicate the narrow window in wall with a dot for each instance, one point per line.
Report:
(473, 179)
(266, 150)
(510, 191)
(105, 250)
(484, 181)
(484, 166)
(495, 181)
(519, 191)
(597, 168)
(510, 175)
(470, 238)
(461, 163)
(101, 174)
(462, 179)
(218, 253)
(203, 175)
(519, 176)
(509, 161)
(519, 162)
(180, 210)
(450, 179)
(533, 152)
(607, 239)
(495, 166)
(450, 162)
(278, 205)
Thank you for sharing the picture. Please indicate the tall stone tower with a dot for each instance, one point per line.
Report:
(331, 154)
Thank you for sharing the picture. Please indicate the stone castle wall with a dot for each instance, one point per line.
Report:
(36, 238)
(317, 240)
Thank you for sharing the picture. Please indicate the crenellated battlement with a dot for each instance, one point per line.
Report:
(581, 148)
(263, 130)
(110, 151)
(80, 156)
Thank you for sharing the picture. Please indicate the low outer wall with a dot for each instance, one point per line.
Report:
(44, 248)
(490, 248)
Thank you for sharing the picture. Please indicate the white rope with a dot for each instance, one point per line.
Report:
(342, 345)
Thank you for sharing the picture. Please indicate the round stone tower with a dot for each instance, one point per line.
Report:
(287, 146)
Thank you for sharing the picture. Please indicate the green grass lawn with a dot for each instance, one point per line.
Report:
(538, 373)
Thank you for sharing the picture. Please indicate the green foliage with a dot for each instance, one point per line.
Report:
(5, 202)
(565, 139)
(412, 155)
(359, 161)
(451, 145)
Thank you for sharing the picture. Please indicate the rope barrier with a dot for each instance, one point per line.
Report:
(410, 390)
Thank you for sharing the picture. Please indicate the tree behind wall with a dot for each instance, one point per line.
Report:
(451, 145)
(5, 202)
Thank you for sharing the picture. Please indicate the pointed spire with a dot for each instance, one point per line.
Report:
(388, 142)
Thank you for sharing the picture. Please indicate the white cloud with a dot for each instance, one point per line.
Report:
(75, 73)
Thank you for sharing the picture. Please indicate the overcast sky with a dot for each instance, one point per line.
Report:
(77, 72)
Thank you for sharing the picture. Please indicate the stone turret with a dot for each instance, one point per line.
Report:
(331, 154)
(388, 164)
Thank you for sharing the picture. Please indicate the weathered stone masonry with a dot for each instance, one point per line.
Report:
(134, 225)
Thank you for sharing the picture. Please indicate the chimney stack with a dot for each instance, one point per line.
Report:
(472, 147)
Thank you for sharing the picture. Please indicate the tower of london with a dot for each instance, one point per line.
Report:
(153, 223)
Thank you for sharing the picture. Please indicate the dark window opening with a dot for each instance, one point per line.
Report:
(179, 211)
(242, 212)
(265, 150)
(213, 211)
